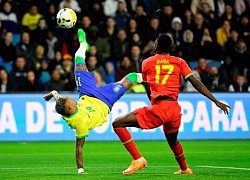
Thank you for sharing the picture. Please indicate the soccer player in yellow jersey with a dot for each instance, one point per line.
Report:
(94, 103)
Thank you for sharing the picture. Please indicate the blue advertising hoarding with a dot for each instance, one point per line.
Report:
(27, 117)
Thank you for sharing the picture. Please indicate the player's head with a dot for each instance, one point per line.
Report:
(163, 44)
(65, 106)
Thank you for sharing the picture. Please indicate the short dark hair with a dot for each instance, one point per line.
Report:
(164, 42)
(60, 106)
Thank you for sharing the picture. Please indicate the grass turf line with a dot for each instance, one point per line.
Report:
(107, 160)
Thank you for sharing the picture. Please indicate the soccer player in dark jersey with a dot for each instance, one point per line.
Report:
(94, 103)
(161, 74)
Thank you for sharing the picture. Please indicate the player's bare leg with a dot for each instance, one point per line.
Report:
(119, 126)
(177, 149)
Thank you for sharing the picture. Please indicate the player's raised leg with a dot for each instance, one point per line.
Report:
(131, 79)
(177, 149)
(119, 126)
(80, 54)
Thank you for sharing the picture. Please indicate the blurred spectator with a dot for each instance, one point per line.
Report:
(110, 30)
(132, 4)
(8, 18)
(203, 70)
(223, 33)
(103, 47)
(50, 17)
(72, 4)
(121, 16)
(239, 6)
(196, 5)
(18, 75)
(25, 47)
(31, 18)
(43, 73)
(125, 68)
(39, 57)
(207, 46)
(94, 34)
(240, 56)
(99, 79)
(188, 19)
(179, 6)
(65, 68)
(141, 18)
(213, 79)
(55, 83)
(229, 15)
(136, 57)
(94, 52)
(96, 15)
(85, 24)
(219, 7)
(7, 50)
(52, 45)
(30, 84)
(166, 18)
(188, 87)
(153, 31)
(198, 27)
(176, 30)
(101, 41)
(109, 7)
(120, 46)
(72, 44)
(71, 84)
(41, 32)
(244, 28)
(188, 47)
(4, 83)
(132, 27)
(110, 72)
(56, 61)
(239, 85)
(93, 65)
(136, 40)
(208, 14)
(231, 42)
(227, 73)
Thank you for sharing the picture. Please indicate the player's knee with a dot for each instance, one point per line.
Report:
(116, 123)
(172, 139)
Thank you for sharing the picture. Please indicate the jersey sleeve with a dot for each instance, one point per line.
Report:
(186, 72)
(81, 130)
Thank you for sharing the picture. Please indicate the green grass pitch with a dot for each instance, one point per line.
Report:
(213, 160)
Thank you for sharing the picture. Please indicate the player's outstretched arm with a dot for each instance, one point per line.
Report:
(199, 86)
(79, 156)
(54, 94)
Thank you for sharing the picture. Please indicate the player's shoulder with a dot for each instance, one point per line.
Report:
(176, 58)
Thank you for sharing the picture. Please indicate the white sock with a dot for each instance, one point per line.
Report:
(81, 51)
(139, 77)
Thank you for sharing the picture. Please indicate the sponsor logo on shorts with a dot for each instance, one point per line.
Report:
(117, 88)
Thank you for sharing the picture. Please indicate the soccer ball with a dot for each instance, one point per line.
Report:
(66, 18)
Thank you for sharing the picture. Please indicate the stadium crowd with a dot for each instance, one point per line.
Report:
(213, 36)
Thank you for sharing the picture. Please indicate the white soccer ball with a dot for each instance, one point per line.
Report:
(66, 18)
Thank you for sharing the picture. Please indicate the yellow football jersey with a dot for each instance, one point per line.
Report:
(91, 113)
